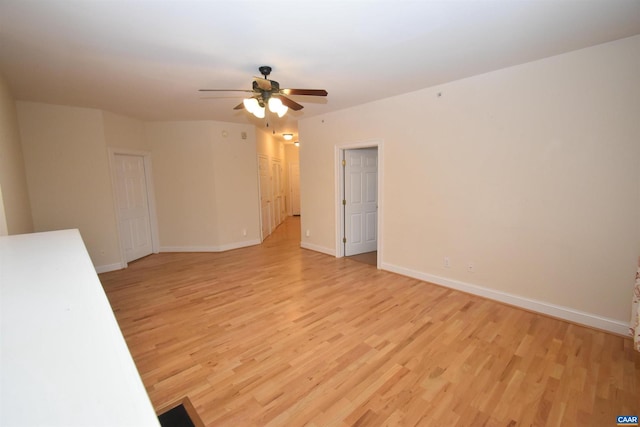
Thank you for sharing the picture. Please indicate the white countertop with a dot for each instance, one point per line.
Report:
(63, 360)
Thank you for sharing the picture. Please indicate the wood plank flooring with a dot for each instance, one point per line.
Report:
(370, 258)
(275, 335)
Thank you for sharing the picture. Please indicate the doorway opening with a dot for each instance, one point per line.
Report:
(294, 188)
(135, 204)
(359, 205)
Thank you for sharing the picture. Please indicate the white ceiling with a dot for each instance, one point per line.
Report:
(147, 59)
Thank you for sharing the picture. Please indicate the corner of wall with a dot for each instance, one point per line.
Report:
(13, 180)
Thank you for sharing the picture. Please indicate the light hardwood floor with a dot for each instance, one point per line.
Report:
(281, 336)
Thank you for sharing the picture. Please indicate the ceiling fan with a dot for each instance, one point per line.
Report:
(268, 93)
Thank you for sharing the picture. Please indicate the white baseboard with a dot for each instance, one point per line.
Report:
(109, 267)
(553, 310)
(221, 248)
(318, 248)
(238, 245)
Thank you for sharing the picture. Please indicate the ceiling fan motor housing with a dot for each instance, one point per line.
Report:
(264, 95)
(265, 70)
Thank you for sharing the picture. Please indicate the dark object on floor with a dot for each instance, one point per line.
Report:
(181, 415)
(176, 417)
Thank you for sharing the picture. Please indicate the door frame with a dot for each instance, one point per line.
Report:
(339, 191)
(151, 201)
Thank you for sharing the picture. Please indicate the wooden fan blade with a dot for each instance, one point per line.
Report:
(311, 92)
(224, 90)
(289, 103)
(264, 84)
(239, 106)
(221, 97)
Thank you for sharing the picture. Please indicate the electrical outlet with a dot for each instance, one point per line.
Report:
(471, 267)
(308, 233)
(244, 232)
(446, 262)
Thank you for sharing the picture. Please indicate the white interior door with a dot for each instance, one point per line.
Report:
(294, 188)
(133, 206)
(265, 195)
(361, 200)
(282, 202)
(276, 185)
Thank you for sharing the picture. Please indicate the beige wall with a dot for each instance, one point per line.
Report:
(292, 157)
(530, 173)
(206, 184)
(15, 209)
(236, 184)
(68, 175)
(268, 145)
(124, 132)
(292, 153)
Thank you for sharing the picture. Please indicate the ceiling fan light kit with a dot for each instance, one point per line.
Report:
(268, 93)
(253, 106)
(276, 106)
